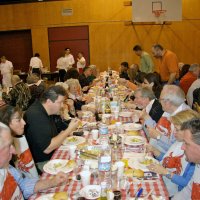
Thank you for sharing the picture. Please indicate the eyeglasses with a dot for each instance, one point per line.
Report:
(163, 99)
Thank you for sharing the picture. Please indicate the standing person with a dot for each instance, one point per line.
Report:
(191, 147)
(6, 68)
(169, 70)
(69, 57)
(36, 65)
(146, 63)
(81, 62)
(62, 66)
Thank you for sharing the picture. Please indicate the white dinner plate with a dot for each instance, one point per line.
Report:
(126, 114)
(91, 191)
(132, 127)
(59, 165)
(137, 163)
(74, 140)
(46, 197)
(134, 140)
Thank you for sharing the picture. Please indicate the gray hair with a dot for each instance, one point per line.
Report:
(72, 81)
(2, 128)
(194, 126)
(174, 94)
(146, 92)
(193, 67)
(52, 93)
(92, 67)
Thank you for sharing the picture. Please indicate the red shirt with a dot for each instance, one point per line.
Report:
(186, 81)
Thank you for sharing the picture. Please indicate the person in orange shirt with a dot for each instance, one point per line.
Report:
(168, 69)
(191, 76)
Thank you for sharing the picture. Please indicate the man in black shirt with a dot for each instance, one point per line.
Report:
(41, 132)
(124, 71)
(83, 78)
(152, 109)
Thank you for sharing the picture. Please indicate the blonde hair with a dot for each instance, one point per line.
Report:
(64, 85)
(71, 82)
(184, 116)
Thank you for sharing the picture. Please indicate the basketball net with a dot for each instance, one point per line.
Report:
(159, 14)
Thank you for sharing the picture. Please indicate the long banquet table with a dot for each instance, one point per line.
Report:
(73, 187)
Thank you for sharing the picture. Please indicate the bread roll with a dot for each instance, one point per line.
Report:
(60, 196)
(138, 173)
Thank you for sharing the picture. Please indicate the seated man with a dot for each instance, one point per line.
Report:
(41, 132)
(124, 71)
(172, 99)
(152, 109)
(191, 148)
(191, 76)
(19, 95)
(12, 184)
(84, 80)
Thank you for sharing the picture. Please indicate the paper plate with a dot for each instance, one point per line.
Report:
(59, 165)
(74, 140)
(91, 191)
(134, 140)
(132, 127)
(46, 197)
(139, 163)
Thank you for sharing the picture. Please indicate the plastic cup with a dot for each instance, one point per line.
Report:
(95, 134)
(85, 177)
(120, 167)
(72, 151)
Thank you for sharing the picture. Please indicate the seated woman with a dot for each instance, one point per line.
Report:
(176, 171)
(13, 117)
(75, 93)
(152, 80)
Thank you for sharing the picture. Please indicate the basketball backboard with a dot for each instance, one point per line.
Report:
(156, 10)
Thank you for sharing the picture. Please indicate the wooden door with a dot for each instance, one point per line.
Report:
(74, 37)
(17, 47)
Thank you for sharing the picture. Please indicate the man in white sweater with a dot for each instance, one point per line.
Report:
(191, 148)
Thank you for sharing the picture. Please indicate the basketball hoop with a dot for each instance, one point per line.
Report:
(158, 13)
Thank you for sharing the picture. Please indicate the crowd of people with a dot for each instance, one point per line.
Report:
(37, 118)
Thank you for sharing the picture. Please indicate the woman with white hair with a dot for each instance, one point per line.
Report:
(75, 93)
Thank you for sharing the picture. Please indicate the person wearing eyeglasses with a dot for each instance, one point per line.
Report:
(176, 171)
(191, 147)
(172, 99)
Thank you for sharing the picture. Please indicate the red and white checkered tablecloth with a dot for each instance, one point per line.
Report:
(73, 187)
